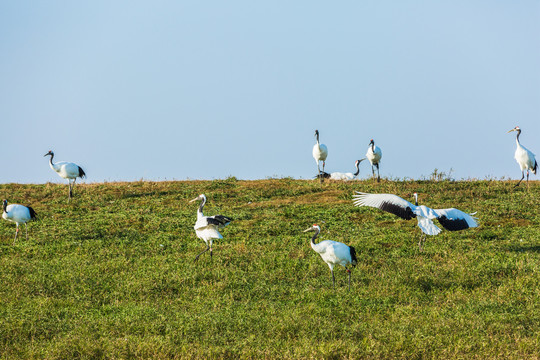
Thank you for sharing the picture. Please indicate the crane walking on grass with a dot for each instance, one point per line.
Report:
(333, 253)
(524, 157)
(66, 170)
(19, 214)
(207, 227)
(320, 152)
(374, 155)
(342, 176)
(451, 219)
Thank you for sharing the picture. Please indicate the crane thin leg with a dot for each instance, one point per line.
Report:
(522, 177)
(421, 242)
(73, 186)
(202, 252)
(16, 232)
(69, 190)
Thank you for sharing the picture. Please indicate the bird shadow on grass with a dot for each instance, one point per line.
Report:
(533, 249)
(146, 194)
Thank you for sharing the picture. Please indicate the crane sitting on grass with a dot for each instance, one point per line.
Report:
(66, 170)
(207, 227)
(333, 253)
(342, 176)
(19, 214)
(524, 157)
(451, 219)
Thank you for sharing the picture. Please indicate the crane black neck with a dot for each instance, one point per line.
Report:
(517, 135)
(202, 205)
(317, 231)
(4, 206)
(357, 169)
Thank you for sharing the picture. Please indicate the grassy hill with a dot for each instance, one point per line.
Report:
(111, 275)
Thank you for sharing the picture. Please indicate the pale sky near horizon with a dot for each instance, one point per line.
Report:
(174, 90)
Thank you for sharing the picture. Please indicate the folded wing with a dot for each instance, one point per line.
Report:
(216, 222)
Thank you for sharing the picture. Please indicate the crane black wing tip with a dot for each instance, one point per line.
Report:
(354, 260)
(33, 214)
(219, 220)
(455, 224)
(82, 174)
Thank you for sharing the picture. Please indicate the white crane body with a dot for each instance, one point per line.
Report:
(333, 253)
(66, 170)
(525, 158)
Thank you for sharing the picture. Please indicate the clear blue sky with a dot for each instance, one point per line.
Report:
(165, 90)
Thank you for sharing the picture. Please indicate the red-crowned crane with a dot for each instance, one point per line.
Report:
(19, 214)
(451, 219)
(66, 170)
(333, 253)
(524, 157)
(374, 155)
(320, 152)
(342, 176)
(207, 227)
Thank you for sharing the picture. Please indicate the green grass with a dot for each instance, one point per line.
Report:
(111, 275)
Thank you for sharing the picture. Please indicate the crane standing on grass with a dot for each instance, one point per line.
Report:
(374, 155)
(451, 219)
(66, 170)
(333, 253)
(524, 157)
(320, 152)
(207, 227)
(19, 214)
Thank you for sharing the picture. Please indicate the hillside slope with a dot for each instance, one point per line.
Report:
(111, 275)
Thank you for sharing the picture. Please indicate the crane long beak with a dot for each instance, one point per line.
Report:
(308, 229)
(509, 131)
(194, 200)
